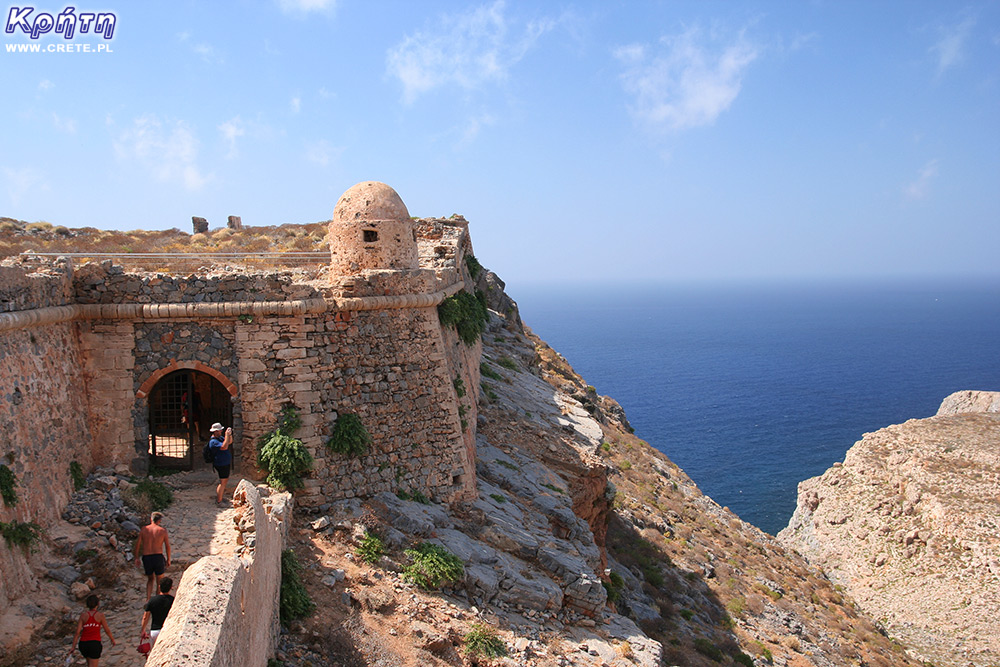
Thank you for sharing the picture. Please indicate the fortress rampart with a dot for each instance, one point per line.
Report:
(98, 365)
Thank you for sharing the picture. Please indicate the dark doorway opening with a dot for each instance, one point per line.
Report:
(182, 407)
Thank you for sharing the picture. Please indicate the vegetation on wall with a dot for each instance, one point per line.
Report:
(475, 268)
(76, 472)
(349, 437)
(294, 602)
(21, 534)
(7, 483)
(284, 457)
(483, 640)
(467, 313)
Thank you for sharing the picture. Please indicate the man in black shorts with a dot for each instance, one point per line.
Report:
(222, 457)
(149, 547)
(156, 610)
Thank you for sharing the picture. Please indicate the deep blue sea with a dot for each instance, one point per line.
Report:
(753, 389)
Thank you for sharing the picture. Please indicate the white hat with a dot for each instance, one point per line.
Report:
(217, 427)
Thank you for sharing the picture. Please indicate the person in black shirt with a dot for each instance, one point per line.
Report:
(156, 610)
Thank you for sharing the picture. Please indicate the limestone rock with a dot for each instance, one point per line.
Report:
(908, 525)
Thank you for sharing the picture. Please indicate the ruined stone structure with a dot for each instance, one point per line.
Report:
(90, 356)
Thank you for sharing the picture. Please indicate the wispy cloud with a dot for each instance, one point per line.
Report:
(467, 49)
(23, 181)
(206, 52)
(920, 186)
(949, 50)
(474, 126)
(322, 153)
(295, 104)
(45, 85)
(67, 125)
(307, 6)
(686, 80)
(231, 130)
(167, 149)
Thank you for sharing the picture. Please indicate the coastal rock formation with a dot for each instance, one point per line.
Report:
(909, 525)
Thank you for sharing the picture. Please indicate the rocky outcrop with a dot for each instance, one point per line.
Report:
(908, 524)
(970, 401)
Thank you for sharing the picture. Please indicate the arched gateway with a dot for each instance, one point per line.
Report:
(183, 404)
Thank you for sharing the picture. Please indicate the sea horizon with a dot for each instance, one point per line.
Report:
(753, 387)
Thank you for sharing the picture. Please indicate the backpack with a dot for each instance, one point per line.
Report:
(207, 453)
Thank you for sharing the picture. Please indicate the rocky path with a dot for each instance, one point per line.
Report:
(197, 527)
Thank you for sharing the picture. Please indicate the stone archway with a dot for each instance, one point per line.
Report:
(182, 404)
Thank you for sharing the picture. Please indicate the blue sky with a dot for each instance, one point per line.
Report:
(584, 141)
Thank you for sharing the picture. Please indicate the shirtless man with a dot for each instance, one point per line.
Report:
(149, 547)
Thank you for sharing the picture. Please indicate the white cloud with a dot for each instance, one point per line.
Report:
(687, 80)
(468, 50)
(67, 125)
(168, 149)
(45, 85)
(950, 48)
(295, 104)
(919, 187)
(231, 130)
(474, 126)
(307, 6)
(23, 181)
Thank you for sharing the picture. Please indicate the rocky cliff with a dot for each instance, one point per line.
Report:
(909, 526)
(585, 546)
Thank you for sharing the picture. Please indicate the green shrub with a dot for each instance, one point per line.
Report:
(371, 549)
(294, 599)
(459, 387)
(21, 534)
(285, 458)
(475, 268)
(432, 565)
(500, 498)
(488, 372)
(76, 472)
(508, 363)
(742, 658)
(416, 496)
(686, 614)
(553, 487)
(467, 313)
(483, 640)
(707, 648)
(7, 483)
(83, 555)
(148, 496)
(350, 437)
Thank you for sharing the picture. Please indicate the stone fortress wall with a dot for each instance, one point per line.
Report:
(226, 609)
(80, 352)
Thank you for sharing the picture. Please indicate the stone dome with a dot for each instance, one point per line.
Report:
(371, 230)
(370, 200)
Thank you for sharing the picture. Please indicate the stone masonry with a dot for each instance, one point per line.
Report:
(83, 349)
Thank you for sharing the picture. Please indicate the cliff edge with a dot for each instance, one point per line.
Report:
(909, 526)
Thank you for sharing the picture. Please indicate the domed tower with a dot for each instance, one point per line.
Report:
(371, 229)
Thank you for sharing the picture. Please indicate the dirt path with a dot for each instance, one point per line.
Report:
(196, 527)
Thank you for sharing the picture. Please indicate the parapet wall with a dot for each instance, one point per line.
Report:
(225, 613)
(44, 424)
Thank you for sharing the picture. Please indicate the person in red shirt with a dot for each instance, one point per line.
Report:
(88, 633)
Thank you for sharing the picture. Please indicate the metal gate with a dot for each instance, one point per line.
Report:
(172, 421)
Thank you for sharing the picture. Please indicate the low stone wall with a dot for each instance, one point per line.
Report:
(226, 610)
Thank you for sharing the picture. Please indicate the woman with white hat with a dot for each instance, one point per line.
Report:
(222, 457)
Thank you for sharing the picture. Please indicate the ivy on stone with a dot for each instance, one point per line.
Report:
(284, 457)
(475, 268)
(349, 437)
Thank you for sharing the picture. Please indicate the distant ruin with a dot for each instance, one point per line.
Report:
(104, 366)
